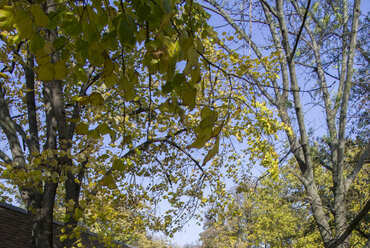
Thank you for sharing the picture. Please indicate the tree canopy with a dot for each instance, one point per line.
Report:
(321, 66)
(103, 104)
(109, 109)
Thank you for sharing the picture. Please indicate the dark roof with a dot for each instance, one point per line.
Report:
(16, 230)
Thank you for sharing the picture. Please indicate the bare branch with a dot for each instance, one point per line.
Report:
(269, 8)
(196, 162)
(314, 68)
(300, 31)
(226, 73)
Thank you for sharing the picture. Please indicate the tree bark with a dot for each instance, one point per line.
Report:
(41, 209)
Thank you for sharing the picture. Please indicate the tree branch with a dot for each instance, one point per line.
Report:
(10, 130)
(76, 109)
(300, 31)
(5, 157)
(142, 147)
(352, 225)
(188, 155)
(31, 105)
(269, 8)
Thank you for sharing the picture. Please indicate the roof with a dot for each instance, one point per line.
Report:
(16, 230)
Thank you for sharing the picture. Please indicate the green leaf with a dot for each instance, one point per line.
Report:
(127, 30)
(3, 75)
(213, 151)
(60, 70)
(96, 99)
(175, 82)
(195, 75)
(203, 135)
(208, 116)
(41, 18)
(95, 53)
(167, 6)
(128, 87)
(108, 181)
(103, 129)
(82, 128)
(37, 43)
(117, 164)
(108, 68)
(205, 129)
(188, 95)
(315, 6)
(45, 72)
(23, 24)
(72, 28)
(59, 43)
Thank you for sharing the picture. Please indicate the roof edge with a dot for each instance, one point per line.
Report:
(14, 208)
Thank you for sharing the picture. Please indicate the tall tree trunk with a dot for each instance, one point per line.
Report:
(42, 218)
(73, 188)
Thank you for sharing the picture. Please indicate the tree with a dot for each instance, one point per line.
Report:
(70, 76)
(319, 41)
(275, 212)
(102, 104)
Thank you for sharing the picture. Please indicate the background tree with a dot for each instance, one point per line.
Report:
(319, 41)
(103, 104)
(275, 212)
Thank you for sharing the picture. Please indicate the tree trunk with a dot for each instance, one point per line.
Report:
(72, 194)
(42, 229)
(41, 208)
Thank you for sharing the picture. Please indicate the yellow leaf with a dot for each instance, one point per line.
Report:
(5, 12)
(173, 48)
(6, 16)
(3, 75)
